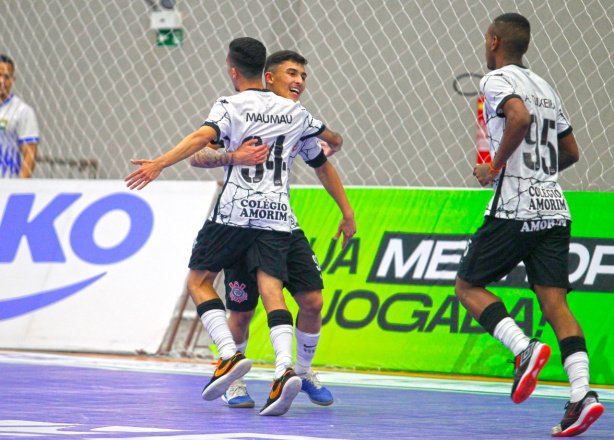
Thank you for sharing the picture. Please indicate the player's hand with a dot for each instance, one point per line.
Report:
(250, 154)
(347, 227)
(328, 151)
(484, 174)
(147, 172)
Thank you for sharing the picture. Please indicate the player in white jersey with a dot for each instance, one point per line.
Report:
(251, 215)
(285, 76)
(527, 220)
(19, 135)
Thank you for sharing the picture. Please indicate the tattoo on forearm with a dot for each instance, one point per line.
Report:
(209, 158)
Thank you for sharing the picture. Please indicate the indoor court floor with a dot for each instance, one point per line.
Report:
(47, 396)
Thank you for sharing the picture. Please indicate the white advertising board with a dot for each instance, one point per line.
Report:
(89, 265)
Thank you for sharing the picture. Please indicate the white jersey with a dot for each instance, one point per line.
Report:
(18, 126)
(257, 196)
(311, 152)
(527, 188)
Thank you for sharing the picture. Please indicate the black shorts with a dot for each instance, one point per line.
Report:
(304, 275)
(499, 245)
(219, 247)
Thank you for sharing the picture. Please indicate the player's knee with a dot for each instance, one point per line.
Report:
(552, 302)
(197, 279)
(241, 318)
(192, 285)
(551, 309)
(310, 303)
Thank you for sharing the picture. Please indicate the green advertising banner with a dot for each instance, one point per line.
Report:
(389, 300)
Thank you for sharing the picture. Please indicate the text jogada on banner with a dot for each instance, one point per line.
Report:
(481, 138)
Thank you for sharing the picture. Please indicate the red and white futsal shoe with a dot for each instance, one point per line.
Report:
(579, 416)
(527, 366)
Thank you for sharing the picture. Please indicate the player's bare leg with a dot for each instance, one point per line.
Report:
(474, 298)
(583, 407)
(210, 308)
(310, 305)
(554, 307)
(287, 384)
(488, 309)
(271, 292)
(308, 324)
(238, 322)
(200, 286)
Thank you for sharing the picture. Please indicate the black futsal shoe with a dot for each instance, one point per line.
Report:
(283, 392)
(527, 367)
(579, 416)
(226, 372)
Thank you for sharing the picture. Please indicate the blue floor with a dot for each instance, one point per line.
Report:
(43, 401)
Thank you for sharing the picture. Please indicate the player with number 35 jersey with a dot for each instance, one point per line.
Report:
(527, 187)
(527, 220)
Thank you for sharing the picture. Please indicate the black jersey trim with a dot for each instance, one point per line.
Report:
(216, 128)
(320, 131)
(495, 202)
(564, 133)
(518, 65)
(317, 161)
(257, 90)
(499, 110)
(217, 204)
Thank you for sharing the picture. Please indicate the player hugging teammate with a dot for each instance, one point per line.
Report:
(228, 236)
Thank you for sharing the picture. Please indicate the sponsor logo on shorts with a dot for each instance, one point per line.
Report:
(237, 292)
(540, 225)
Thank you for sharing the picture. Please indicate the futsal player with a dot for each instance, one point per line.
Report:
(285, 76)
(19, 133)
(262, 233)
(527, 220)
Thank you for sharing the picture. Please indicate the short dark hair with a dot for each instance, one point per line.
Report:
(6, 59)
(514, 30)
(247, 55)
(275, 59)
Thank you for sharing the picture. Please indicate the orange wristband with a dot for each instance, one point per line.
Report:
(492, 169)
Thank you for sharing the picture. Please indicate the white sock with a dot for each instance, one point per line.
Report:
(217, 326)
(306, 344)
(242, 346)
(576, 367)
(510, 335)
(281, 338)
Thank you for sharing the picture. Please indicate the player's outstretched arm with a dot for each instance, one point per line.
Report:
(517, 121)
(327, 174)
(333, 139)
(247, 154)
(568, 151)
(150, 169)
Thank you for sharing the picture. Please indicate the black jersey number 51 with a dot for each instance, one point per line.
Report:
(276, 163)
